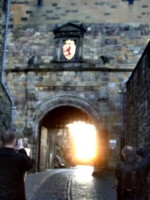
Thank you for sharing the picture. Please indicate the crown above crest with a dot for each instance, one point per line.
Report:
(70, 42)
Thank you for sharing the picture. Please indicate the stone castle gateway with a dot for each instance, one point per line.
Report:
(41, 81)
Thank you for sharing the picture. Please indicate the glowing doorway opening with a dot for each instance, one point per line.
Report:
(84, 136)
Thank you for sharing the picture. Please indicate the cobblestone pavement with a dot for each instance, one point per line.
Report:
(87, 187)
(70, 184)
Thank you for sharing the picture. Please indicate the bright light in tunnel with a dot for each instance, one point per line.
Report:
(84, 136)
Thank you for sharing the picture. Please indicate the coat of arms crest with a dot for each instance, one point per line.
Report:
(69, 49)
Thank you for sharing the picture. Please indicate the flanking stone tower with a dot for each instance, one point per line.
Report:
(107, 40)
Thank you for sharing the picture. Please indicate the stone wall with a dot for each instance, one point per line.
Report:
(137, 103)
(64, 147)
(5, 110)
(116, 11)
(122, 45)
(122, 48)
(5, 104)
(42, 86)
(2, 20)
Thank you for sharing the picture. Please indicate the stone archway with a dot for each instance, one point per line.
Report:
(67, 100)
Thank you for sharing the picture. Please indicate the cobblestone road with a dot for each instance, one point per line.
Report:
(87, 187)
(70, 184)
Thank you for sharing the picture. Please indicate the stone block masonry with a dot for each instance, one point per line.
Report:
(121, 45)
(5, 105)
(31, 89)
(106, 47)
(118, 11)
(137, 103)
(5, 110)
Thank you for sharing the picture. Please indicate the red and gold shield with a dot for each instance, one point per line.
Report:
(69, 49)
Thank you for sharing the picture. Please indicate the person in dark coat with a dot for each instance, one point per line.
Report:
(130, 156)
(13, 165)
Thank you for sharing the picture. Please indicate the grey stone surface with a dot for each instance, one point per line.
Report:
(71, 184)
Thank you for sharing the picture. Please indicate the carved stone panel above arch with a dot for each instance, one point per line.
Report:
(68, 42)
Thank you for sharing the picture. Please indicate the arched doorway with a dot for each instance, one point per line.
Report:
(56, 139)
(83, 108)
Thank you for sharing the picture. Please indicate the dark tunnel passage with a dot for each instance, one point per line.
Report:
(61, 116)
